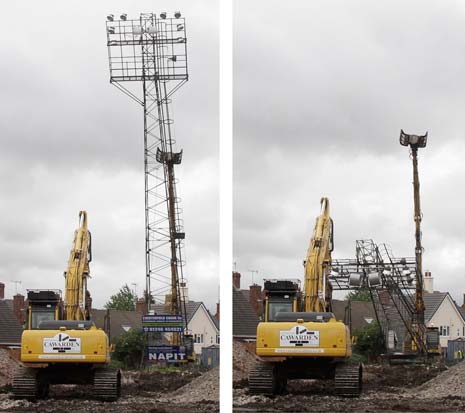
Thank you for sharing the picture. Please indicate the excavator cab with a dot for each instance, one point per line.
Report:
(44, 305)
(280, 296)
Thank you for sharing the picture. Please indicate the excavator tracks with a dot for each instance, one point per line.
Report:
(267, 378)
(28, 385)
(107, 384)
(348, 380)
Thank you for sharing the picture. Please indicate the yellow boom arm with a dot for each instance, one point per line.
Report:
(77, 272)
(317, 287)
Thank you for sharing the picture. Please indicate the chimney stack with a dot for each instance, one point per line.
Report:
(236, 280)
(255, 298)
(18, 306)
(428, 282)
(140, 306)
(2, 291)
(217, 315)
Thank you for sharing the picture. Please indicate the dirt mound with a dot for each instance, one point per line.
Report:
(450, 383)
(144, 382)
(8, 366)
(205, 388)
(243, 361)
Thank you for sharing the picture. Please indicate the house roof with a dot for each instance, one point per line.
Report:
(363, 313)
(191, 309)
(120, 320)
(10, 327)
(245, 320)
(432, 302)
(461, 311)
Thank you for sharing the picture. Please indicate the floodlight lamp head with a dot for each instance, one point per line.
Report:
(111, 30)
(416, 141)
(110, 17)
(163, 15)
(177, 14)
(124, 17)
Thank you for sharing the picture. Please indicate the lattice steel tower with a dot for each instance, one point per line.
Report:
(152, 50)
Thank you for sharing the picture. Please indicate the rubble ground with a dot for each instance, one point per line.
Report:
(428, 387)
(154, 390)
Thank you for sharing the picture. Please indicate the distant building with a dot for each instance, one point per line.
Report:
(442, 311)
(11, 326)
(200, 323)
(116, 322)
(247, 306)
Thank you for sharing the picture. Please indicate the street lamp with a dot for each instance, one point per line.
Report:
(415, 142)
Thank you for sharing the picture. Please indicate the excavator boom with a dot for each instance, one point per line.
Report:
(317, 288)
(77, 272)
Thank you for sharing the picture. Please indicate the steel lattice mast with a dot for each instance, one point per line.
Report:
(153, 50)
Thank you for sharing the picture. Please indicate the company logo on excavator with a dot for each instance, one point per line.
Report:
(299, 336)
(61, 343)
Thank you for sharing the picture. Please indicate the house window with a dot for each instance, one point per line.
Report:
(198, 338)
(218, 338)
(444, 330)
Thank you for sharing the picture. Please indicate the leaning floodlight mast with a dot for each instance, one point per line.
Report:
(152, 50)
(415, 142)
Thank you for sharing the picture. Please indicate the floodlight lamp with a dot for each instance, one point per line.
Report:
(355, 279)
(180, 40)
(374, 279)
(163, 15)
(111, 30)
(124, 17)
(177, 14)
(418, 141)
(179, 27)
(110, 17)
(173, 58)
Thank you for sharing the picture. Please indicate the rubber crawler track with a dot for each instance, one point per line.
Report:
(348, 380)
(107, 384)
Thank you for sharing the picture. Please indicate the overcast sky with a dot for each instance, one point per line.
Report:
(70, 141)
(322, 90)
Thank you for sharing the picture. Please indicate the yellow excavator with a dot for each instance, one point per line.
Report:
(299, 337)
(60, 344)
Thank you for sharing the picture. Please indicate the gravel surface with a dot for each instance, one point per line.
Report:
(407, 388)
(243, 360)
(179, 391)
(8, 366)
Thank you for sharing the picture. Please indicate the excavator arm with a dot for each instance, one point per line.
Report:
(77, 272)
(317, 287)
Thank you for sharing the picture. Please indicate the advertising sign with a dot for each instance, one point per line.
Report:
(169, 354)
(163, 323)
(299, 336)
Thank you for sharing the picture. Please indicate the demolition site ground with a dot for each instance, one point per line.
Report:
(428, 387)
(159, 390)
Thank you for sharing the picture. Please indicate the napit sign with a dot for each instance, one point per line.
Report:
(299, 336)
(61, 343)
(169, 354)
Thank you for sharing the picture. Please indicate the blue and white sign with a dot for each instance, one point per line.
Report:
(163, 323)
(168, 354)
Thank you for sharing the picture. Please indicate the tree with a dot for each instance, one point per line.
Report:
(124, 299)
(129, 348)
(363, 294)
(369, 341)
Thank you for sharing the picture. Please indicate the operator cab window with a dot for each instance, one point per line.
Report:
(39, 316)
(278, 307)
